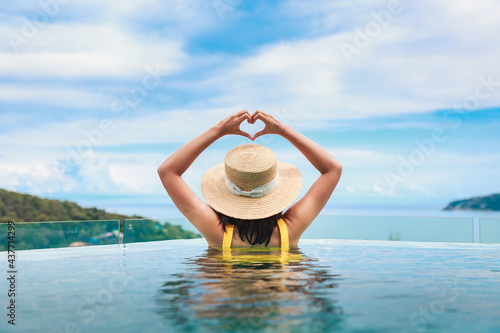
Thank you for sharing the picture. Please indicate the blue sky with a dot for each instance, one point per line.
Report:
(94, 95)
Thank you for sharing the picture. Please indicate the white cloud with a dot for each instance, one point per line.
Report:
(421, 64)
(382, 191)
(325, 14)
(350, 189)
(47, 136)
(64, 139)
(67, 97)
(173, 18)
(90, 175)
(87, 50)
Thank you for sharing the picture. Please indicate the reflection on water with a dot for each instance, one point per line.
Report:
(240, 290)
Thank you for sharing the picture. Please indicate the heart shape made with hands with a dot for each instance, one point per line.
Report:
(252, 128)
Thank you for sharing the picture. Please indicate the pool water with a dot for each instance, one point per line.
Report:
(323, 286)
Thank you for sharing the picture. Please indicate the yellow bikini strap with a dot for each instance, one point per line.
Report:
(285, 245)
(226, 244)
(228, 236)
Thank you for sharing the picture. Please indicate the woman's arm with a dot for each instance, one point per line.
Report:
(170, 171)
(302, 213)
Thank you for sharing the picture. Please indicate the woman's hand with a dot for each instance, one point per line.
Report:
(231, 124)
(272, 125)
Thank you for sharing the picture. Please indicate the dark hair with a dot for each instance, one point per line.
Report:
(256, 231)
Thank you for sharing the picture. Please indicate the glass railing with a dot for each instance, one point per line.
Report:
(421, 229)
(38, 235)
(489, 230)
(42, 235)
(147, 230)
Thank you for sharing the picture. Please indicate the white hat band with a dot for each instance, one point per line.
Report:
(256, 192)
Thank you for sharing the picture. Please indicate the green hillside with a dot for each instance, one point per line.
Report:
(29, 208)
(490, 202)
(98, 227)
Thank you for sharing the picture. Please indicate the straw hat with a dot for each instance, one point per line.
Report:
(251, 183)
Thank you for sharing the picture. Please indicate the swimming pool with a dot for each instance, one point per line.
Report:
(324, 286)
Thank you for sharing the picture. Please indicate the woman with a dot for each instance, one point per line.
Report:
(250, 190)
